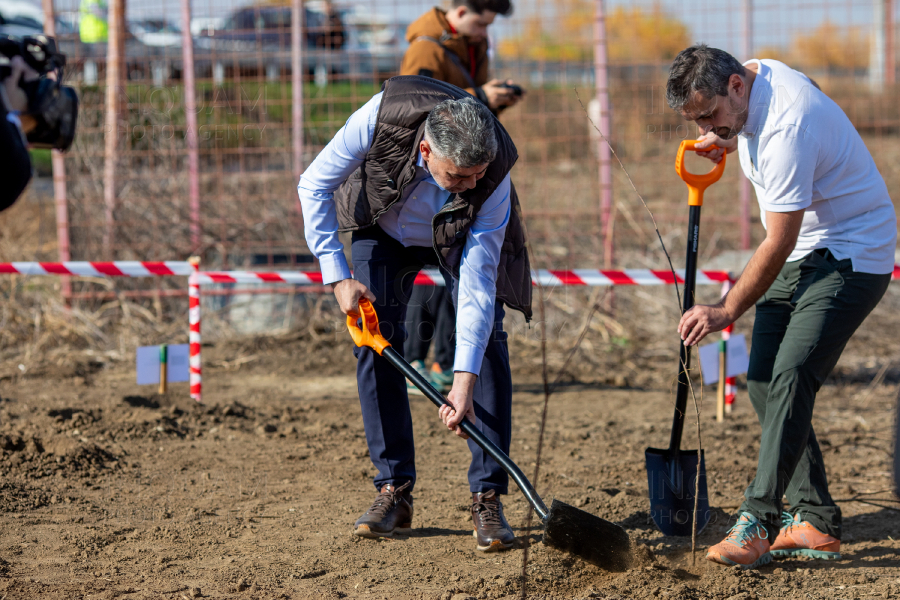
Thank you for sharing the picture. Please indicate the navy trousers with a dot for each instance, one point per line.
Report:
(389, 269)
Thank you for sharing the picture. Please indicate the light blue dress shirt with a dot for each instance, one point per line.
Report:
(409, 222)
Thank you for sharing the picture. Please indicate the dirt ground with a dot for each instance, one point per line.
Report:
(110, 491)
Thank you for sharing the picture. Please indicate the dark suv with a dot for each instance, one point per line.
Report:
(255, 36)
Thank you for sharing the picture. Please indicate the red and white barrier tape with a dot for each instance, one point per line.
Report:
(196, 278)
(547, 278)
(121, 268)
(730, 382)
(194, 329)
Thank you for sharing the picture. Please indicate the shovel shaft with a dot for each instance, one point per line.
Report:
(473, 432)
(684, 355)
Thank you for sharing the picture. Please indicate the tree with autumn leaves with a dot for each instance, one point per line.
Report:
(640, 36)
(828, 46)
(634, 35)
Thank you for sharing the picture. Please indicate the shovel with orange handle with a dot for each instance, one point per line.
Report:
(566, 528)
(674, 475)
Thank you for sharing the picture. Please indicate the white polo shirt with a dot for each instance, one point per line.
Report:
(802, 152)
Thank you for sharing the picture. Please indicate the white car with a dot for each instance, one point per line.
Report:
(20, 18)
(158, 33)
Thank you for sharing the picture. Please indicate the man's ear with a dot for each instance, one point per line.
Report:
(737, 83)
(425, 149)
(456, 13)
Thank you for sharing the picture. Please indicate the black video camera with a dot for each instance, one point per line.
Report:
(52, 105)
(516, 90)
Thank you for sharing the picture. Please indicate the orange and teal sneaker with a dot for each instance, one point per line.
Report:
(419, 366)
(442, 380)
(800, 538)
(746, 545)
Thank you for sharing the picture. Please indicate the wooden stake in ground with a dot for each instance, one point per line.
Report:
(163, 370)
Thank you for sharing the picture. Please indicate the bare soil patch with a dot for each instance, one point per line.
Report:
(110, 491)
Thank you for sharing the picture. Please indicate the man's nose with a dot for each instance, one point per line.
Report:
(470, 182)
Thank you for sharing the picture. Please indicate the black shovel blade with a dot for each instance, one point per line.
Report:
(589, 537)
(672, 481)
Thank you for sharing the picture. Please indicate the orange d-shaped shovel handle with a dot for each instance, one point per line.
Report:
(697, 184)
(369, 334)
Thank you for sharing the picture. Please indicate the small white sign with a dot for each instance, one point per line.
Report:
(148, 365)
(178, 367)
(177, 364)
(738, 360)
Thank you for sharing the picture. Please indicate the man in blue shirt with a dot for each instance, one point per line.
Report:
(420, 175)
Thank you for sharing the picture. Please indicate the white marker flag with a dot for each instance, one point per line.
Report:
(738, 360)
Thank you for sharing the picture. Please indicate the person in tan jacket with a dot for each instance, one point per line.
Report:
(452, 46)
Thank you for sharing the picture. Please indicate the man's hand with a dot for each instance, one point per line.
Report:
(701, 320)
(499, 96)
(782, 230)
(710, 139)
(460, 397)
(14, 96)
(348, 292)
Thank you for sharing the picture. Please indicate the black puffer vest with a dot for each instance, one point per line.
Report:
(390, 165)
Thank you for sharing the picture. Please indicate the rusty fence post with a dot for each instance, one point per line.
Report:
(604, 156)
(190, 112)
(745, 186)
(58, 165)
(297, 74)
(114, 64)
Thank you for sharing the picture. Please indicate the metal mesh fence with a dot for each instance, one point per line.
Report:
(197, 120)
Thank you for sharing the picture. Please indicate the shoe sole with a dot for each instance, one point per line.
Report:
(762, 560)
(495, 546)
(820, 554)
(366, 532)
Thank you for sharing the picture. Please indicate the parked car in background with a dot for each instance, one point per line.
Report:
(375, 44)
(199, 25)
(157, 33)
(265, 28)
(347, 43)
(344, 42)
(20, 18)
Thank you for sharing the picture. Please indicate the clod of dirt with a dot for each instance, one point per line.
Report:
(18, 497)
(266, 428)
(141, 402)
(641, 556)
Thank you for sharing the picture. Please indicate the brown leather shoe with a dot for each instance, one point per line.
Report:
(491, 529)
(391, 513)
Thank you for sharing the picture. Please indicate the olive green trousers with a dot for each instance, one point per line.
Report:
(803, 323)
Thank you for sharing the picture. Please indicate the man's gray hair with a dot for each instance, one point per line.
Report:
(462, 131)
(700, 69)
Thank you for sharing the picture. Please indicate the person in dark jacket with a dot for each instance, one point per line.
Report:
(15, 163)
(420, 176)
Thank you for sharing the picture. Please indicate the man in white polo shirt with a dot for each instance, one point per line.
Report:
(826, 261)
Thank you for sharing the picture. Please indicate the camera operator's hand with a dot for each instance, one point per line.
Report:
(13, 95)
(497, 95)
